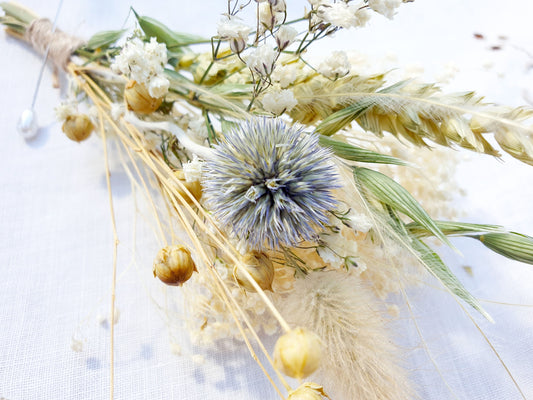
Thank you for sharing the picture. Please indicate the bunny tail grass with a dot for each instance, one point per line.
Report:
(360, 361)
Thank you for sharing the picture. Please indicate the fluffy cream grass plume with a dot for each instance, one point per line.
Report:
(360, 360)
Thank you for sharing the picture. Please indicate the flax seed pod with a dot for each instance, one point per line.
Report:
(260, 268)
(174, 265)
(298, 353)
(77, 127)
(138, 98)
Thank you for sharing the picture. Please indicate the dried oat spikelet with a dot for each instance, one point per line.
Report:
(139, 100)
(319, 97)
(419, 113)
(359, 359)
(298, 353)
(260, 267)
(515, 139)
(174, 265)
(77, 127)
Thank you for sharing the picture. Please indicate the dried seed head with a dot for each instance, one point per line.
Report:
(174, 265)
(260, 267)
(297, 353)
(139, 100)
(77, 127)
(195, 188)
(308, 391)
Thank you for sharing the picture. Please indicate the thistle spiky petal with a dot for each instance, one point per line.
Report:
(270, 184)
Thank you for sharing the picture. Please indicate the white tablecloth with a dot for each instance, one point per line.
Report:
(56, 236)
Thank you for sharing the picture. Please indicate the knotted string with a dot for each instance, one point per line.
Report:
(40, 34)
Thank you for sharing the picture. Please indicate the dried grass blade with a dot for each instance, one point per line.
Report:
(353, 153)
(441, 271)
(387, 191)
(512, 245)
(450, 228)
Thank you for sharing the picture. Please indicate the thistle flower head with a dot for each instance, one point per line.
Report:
(270, 184)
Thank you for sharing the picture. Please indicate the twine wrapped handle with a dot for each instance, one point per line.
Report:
(62, 45)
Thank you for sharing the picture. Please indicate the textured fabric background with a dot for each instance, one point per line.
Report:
(56, 236)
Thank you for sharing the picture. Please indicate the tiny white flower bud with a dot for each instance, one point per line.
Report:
(158, 86)
(267, 18)
(278, 5)
(285, 36)
(234, 31)
(335, 66)
(279, 101)
(262, 60)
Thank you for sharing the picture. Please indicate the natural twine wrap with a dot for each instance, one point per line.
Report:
(40, 35)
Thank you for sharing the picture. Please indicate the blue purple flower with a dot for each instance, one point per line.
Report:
(270, 184)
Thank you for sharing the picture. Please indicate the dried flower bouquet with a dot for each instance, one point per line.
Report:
(293, 226)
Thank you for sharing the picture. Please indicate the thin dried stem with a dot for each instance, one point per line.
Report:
(159, 168)
(114, 275)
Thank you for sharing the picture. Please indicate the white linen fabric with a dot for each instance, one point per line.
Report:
(56, 241)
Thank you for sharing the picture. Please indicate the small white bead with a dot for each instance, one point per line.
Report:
(27, 124)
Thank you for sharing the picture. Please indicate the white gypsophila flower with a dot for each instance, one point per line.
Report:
(268, 18)
(339, 14)
(285, 74)
(235, 31)
(141, 61)
(359, 222)
(278, 5)
(158, 86)
(65, 110)
(262, 60)
(285, 36)
(363, 16)
(343, 246)
(198, 129)
(144, 63)
(193, 170)
(335, 246)
(117, 110)
(316, 3)
(279, 101)
(329, 257)
(335, 66)
(156, 52)
(386, 8)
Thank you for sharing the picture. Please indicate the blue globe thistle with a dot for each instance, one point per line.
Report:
(270, 184)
